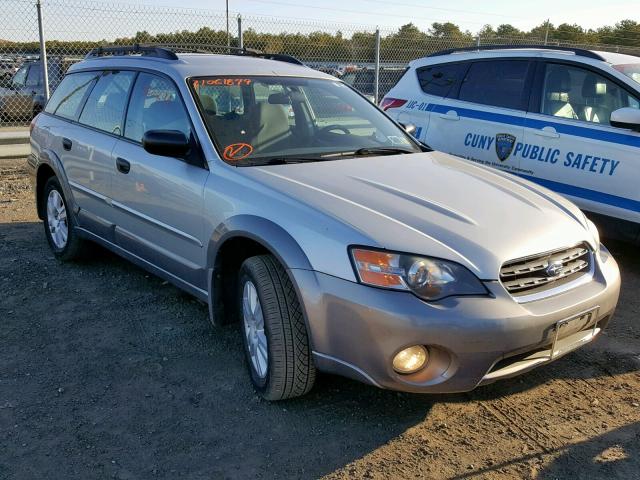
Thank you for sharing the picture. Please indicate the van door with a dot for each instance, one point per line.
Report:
(484, 121)
(158, 200)
(571, 148)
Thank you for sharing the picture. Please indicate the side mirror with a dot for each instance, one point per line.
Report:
(167, 143)
(410, 128)
(626, 117)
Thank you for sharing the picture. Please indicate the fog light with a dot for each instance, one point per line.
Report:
(410, 359)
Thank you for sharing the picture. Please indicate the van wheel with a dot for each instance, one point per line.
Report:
(59, 224)
(274, 333)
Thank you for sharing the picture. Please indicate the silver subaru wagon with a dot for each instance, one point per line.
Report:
(290, 204)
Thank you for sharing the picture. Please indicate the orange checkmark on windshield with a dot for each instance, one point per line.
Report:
(237, 151)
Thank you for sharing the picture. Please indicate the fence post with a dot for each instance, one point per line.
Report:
(376, 91)
(240, 36)
(43, 52)
(478, 41)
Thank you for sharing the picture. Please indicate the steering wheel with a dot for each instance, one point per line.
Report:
(329, 128)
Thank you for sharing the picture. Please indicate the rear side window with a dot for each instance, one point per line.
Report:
(68, 98)
(439, 79)
(497, 83)
(155, 105)
(105, 106)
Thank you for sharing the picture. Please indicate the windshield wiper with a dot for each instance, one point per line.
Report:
(361, 152)
(279, 161)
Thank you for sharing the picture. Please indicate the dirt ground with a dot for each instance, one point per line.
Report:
(109, 372)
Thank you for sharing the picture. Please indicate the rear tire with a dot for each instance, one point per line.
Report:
(274, 333)
(59, 224)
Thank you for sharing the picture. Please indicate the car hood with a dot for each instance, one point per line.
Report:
(434, 204)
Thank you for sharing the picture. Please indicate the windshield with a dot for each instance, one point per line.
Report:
(631, 70)
(260, 120)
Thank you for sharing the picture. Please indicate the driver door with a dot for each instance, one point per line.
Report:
(593, 163)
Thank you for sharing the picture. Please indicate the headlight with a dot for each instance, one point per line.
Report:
(428, 278)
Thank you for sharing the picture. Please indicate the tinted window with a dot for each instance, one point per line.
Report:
(33, 77)
(438, 79)
(106, 103)
(496, 83)
(579, 94)
(68, 98)
(155, 105)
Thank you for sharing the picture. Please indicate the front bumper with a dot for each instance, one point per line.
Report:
(356, 330)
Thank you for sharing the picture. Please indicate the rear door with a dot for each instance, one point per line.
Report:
(571, 148)
(158, 200)
(484, 120)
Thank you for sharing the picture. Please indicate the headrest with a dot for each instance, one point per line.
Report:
(558, 83)
(591, 87)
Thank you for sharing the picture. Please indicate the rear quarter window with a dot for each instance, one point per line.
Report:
(67, 100)
(438, 80)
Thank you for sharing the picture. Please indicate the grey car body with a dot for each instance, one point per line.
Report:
(193, 225)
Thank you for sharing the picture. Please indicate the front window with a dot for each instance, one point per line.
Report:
(631, 70)
(580, 94)
(261, 120)
(20, 78)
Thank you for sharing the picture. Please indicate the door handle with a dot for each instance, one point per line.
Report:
(67, 144)
(450, 115)
(547, 132)
(123, 165)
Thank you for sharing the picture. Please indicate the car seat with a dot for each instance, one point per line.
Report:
(596, 108)
(273, 128)
(556, 98)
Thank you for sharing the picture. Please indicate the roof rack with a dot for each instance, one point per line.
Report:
(581, 52)
(227, 50)
(144, 50)
(168, 52)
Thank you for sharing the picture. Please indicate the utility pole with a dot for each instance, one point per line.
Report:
(546, 33)
(228, 39)
(43, 52)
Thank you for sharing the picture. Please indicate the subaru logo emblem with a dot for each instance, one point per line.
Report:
(554, 269)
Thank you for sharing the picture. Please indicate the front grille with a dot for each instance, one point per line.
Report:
(538, 273)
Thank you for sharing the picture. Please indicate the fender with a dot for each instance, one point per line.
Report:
(50, 158)
(263, 231)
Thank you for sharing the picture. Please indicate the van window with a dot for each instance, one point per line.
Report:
(155, 105)
(439, 79)
(105, 106)
(580, 94)
(20, 77)
(498, 83)
(67, 100)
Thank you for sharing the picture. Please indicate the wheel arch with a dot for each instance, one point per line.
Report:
(234, 241)
(49, 165)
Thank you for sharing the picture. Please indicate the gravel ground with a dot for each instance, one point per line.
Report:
(109, 372)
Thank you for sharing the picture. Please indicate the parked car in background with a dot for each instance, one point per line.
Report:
(363, 80)
(568, 119)
(8, 69)
(24, 96)
(291, 204)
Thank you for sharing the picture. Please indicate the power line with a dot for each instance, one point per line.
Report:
(344, 10)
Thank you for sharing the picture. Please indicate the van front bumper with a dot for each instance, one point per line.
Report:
(356, 330)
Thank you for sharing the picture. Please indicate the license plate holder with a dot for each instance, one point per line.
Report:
(574, 324)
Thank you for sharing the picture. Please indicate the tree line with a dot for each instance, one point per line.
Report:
(407, 43)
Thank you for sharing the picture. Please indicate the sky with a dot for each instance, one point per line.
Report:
(468, 14)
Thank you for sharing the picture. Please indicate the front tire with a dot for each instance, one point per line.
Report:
(59, 224)
(274, 333)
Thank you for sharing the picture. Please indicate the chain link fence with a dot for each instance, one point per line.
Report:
(370, 59)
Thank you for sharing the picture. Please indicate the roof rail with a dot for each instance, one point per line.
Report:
(581, 52)
(144, 50)
(227, 50)
(168, 51)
